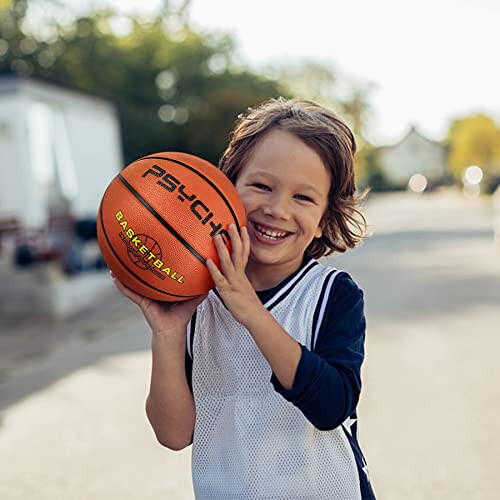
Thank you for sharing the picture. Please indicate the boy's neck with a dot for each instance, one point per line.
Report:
(267, 276)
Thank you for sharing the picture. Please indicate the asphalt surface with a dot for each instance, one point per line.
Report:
(72, 421)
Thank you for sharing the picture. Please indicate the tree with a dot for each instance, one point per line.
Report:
(321, 82)
(310, 79)
(174, 88)
(474, 140)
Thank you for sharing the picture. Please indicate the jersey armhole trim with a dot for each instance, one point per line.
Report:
(190, 334)
(319, 313)
(287, 289)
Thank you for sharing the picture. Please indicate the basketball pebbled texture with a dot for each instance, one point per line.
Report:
(157, 221)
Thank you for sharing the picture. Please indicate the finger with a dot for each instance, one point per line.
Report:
(245, 240)
(237, 246)
(226, 264)
(217, 276)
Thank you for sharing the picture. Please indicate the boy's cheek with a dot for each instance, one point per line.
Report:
(246, 202)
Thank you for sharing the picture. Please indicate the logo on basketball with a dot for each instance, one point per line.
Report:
(157, 220)
(139, 257)
(201, 211)
(144, 251)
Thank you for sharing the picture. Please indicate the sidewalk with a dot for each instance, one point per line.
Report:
(27, 339)
(82, 434)
(72, 420)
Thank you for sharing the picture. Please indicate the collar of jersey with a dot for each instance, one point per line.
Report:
(273, 296)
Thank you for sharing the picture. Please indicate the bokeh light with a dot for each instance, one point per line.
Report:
(471, 191)
(417, 183)
(473, 175)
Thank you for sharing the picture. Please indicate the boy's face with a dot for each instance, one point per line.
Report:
(284, 188)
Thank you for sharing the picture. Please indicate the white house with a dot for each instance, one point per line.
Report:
(413, 154)
(59, 149)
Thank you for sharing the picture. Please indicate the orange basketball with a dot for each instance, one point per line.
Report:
(157, 221)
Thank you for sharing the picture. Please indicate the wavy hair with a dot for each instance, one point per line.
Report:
(343, 224)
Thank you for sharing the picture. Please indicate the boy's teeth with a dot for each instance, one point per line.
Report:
(267, 232)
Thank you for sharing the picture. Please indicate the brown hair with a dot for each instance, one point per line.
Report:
(344, 226)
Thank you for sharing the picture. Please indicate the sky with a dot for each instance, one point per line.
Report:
(428, 62)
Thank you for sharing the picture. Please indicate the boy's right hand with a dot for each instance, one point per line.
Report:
(164, 318)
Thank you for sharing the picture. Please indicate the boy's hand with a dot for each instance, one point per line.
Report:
(234, 287)
(162, 317)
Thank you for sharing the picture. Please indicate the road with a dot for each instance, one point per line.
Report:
(72, 417)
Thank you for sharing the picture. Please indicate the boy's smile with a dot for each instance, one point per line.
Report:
(267, 234)
(284, 188)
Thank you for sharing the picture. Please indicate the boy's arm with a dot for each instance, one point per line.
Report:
(282, 352)
(324, 384)
(327, 383)
(170, 405)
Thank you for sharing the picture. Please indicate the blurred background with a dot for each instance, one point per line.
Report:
(87, 87)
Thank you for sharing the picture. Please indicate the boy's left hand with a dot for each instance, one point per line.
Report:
(234, 287)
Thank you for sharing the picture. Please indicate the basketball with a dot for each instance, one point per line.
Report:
(157, 220)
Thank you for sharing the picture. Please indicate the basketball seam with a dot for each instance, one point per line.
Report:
(204, 177)
(129, 270)
(161, 220)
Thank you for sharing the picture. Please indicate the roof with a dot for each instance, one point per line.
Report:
(412, 131)
(10, 83)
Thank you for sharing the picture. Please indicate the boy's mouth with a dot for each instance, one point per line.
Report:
(269, 233)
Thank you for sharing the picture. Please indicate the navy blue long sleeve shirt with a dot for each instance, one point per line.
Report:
(327, 382)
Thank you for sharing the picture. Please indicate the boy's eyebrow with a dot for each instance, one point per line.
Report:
(301, 187)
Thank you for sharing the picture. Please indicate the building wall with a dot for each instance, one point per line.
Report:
(18, 194)
(94, 140)
(66, 148)
(413, 155)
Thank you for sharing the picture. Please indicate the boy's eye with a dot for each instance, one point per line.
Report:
(304, 197)
(261, 186)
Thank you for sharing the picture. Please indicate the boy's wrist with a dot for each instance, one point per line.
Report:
(253, 316)
(169, 339)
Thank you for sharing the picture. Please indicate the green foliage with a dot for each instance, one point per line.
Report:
(173, 89)
(321, 83)
(474, 140)
(371, 175)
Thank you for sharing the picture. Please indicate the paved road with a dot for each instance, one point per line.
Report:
(73, 426)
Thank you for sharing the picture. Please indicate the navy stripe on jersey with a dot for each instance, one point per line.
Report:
(321, 305)
(190, 335)
(283, 292)
(277, 294)
(218, 295)
(350, 430)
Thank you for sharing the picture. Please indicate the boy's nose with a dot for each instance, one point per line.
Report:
(278, 208)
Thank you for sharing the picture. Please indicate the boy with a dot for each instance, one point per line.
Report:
(267, 381)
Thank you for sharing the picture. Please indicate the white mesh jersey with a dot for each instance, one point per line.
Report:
(249, 442)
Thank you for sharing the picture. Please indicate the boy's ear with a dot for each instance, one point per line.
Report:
(320, 228)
